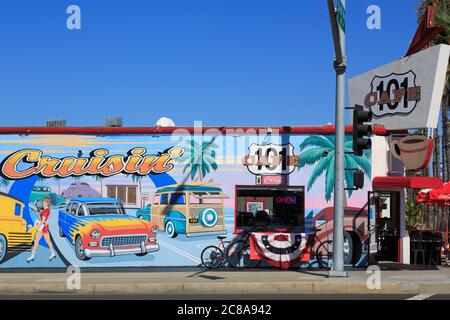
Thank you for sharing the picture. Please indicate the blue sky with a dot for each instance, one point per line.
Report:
(225, 62)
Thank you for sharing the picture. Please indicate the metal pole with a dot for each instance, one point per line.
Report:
(340, 65)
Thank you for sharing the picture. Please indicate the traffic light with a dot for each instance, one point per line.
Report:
(358, 179)
(361, 131)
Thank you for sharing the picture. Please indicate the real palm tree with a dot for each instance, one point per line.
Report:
(442, 18)
(320, 152)
(200, 158)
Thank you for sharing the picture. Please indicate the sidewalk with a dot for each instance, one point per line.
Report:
(227, 282)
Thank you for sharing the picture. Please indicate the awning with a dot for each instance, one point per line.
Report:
(439, 196)
(407, 182)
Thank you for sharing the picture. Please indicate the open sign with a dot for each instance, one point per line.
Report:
(286, 199)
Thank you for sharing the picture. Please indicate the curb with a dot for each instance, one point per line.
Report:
(224, 288)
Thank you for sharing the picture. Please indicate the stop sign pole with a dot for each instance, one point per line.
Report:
(337, 19)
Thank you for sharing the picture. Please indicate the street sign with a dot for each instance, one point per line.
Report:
(341, 15)
(405, 94)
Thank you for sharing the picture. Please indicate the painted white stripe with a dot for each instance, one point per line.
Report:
(422, 296)
(179, 251)
(280, 257)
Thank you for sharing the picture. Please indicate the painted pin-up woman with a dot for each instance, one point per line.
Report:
(43, 230)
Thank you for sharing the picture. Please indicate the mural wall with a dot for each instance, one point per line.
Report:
(104, 199)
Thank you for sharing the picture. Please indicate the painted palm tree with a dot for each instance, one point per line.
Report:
(4, 183)
(319, 151)
(200, 158)
(58, 181)
(99, 179)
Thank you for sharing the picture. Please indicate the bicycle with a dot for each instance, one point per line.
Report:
(234, 252)
(324, 251)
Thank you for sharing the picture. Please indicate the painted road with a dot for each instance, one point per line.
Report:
(179, 251)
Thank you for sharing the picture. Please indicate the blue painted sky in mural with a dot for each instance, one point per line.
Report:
(185, 59)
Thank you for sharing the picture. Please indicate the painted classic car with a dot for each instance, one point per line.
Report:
(193, 209)
(80, 189)
(355, 226)
(144, 213)
(15, 235)
(38, 193)
(100, 227)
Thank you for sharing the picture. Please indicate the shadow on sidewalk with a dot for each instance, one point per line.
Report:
(392, 266)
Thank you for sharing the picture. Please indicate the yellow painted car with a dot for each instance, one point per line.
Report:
(15, 235)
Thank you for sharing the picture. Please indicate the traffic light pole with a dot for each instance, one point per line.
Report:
(337, 18)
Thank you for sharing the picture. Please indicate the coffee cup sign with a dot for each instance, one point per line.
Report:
(414, 151)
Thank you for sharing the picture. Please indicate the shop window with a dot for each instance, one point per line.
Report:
(111, 192)
(131, 195)
(126, 193)
(270, 208)
(122, 194)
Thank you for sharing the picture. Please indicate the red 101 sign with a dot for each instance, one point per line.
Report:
(271, 159)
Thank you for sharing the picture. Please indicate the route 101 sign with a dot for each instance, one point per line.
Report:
(271, 159)
(405, 94)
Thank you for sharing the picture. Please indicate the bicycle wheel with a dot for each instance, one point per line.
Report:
(212, 257)
(324, 255)
(238, 255)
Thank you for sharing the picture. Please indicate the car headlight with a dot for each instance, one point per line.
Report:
(155, 229)
(95, 234)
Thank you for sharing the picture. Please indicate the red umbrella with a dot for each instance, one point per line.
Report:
(439, 196)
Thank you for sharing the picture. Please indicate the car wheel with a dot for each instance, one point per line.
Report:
(3, 247)
(170, 229)
(79, 249)
(357, 248)
(61, 233)
(348, 248)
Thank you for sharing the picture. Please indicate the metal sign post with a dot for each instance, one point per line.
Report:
(337, 18)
